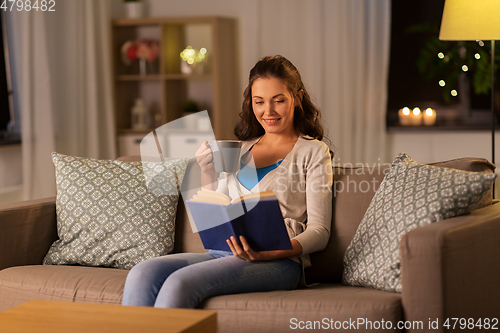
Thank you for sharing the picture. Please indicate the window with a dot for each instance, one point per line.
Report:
(407, 86)
(8, 133)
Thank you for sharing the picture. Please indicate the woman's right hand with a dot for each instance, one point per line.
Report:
(204, 157)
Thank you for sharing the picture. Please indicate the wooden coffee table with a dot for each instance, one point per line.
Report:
(66, 317)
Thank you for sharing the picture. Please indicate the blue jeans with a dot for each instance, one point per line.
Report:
(184, 280)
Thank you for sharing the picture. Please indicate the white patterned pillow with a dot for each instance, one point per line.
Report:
(112, 213)
(410, 196)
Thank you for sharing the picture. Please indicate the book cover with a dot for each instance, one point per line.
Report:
(262, 225)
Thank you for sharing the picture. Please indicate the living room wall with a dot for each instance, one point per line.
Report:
(424, 147)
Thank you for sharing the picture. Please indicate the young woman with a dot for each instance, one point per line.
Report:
(281, 128)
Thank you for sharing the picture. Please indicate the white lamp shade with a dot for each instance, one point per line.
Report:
(470, 20)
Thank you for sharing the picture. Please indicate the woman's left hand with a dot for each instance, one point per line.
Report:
(244, 251)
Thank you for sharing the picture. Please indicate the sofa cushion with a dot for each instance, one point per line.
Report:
(287, 311)
(471, 164)
(61, 283)
(185, 239)
(411, 195)
(354, 188)
(113, 213)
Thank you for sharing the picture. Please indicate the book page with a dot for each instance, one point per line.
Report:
(256, 196)
(209, 196)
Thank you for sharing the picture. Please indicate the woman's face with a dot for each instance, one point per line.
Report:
(273, 105)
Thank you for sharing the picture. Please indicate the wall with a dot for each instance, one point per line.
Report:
(423, 147)
(434, 146)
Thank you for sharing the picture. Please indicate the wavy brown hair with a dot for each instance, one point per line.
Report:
(306, 120)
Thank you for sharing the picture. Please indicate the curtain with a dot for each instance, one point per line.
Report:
(341, 48)
(62, 65)
(357, 79)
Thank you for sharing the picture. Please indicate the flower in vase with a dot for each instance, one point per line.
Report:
(128, 52)
(141, 49)
(154, 51)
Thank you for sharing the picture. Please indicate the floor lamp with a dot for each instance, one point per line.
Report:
(474, 20)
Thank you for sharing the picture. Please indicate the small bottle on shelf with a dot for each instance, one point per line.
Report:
(140, 115)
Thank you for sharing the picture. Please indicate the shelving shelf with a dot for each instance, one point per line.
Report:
(165, 88)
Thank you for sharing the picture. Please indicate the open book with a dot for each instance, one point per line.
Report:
(256, 216)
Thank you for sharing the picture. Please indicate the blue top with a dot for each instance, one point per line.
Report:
(246, 175)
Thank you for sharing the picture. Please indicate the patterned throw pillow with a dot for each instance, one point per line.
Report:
(410, 196)
(112, 213)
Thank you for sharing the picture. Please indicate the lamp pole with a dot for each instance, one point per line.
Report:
(493, 116)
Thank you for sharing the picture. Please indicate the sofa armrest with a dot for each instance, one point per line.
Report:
(451, 269)
(27, 230)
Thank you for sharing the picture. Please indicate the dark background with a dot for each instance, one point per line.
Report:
(406, 88)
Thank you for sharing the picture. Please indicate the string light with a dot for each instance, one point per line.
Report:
(465, 68)
(442, 83)
(440, 55)
(454, 93)
(191, 56)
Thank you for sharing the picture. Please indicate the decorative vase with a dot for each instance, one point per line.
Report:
(140, 115)
(134, 9)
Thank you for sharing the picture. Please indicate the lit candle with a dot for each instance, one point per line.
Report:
(416, 117)
(429, 117)
(404, 116)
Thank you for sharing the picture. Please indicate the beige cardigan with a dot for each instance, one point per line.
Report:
(303, 185)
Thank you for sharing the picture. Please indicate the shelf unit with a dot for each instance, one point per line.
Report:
(165, 88)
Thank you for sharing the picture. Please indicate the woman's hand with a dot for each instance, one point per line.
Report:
(204, 157)
(244, 251)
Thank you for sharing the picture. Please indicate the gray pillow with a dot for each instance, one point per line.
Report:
(410, 196)
(112, 213)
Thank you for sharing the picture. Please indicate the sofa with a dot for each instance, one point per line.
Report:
(450, 269)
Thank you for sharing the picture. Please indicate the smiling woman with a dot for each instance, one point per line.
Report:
(280, 129)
